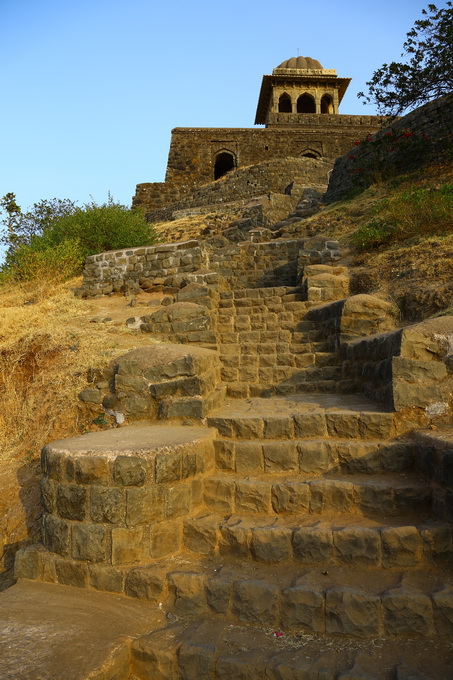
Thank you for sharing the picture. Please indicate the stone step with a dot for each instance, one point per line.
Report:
(352, 541)
(218, 650)
(196, 407)
(303, 417)
(312, 456)
(346, 600)
(379, 496)
(271, 291)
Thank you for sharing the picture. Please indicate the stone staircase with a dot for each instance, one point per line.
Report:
(266, 347)
(290, 531)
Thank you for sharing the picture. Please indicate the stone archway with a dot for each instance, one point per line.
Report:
(284, 104)
(306, 104)
(224, 162)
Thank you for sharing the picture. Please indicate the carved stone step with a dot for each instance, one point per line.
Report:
(313, 456)
(378, 496)
(348, 540)
(217, 650)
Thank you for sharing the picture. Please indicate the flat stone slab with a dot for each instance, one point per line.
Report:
(136, 440)
(51, 632)
(296, 404)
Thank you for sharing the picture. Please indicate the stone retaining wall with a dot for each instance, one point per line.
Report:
(115, 271)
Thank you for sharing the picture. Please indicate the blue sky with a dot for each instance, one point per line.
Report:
(91, 89)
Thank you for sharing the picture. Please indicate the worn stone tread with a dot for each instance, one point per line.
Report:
(220, 651)
(345, 540)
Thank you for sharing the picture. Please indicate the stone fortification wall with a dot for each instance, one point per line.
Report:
(433, 120)
(193, 151)
(248, 264)
(243, 183)
(112, 271)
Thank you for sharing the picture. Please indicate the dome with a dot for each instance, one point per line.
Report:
(301, 63)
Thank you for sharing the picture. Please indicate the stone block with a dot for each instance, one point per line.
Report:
(168, 467)
(178, 500)
(188, 591)
(317, 457)
(248, 428)
(352, 612)
(252, 497)
(255, 602)
(71, 502)
(271, 544)
(375, 425)
(248, 457)
(156, 655)
(129, 471)
(235, 539)
(71, 573)
(401, 546)
(378, 498)
(303, 608)
(310, 425)
(407, 612)
(103, 577)
(328, 496)
(443, 611)
(144, 505)
(280, 456)
(165, 539)
(127, 545)
(48, 495)
(290, 497)
(200, 535)
(312, 545)
(218, 495)
(91, 470)
(438, 545)
(146, 583)
(90, 542)
(278, 427)
(107, 505)
(343, 424)
(218, 594)
(358, 546)
(224, 454)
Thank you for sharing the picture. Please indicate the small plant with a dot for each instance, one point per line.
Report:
(407, 215)
(100, 420)
(375, 234)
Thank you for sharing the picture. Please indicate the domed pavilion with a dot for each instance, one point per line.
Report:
(299, 85)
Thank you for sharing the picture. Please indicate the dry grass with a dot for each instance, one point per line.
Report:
(44, 360)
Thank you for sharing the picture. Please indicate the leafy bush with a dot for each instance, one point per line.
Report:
(410, 214)
(98, 228)
(53, 239)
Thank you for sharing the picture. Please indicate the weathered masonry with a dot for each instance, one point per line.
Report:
(299, 106)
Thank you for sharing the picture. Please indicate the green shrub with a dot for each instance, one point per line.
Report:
(53, 239)
(375, 234)
(110, 226)
(41, 260)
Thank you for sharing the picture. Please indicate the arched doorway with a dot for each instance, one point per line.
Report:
(306, 104)
(326, 104)
(284, 104)
(224, 162)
